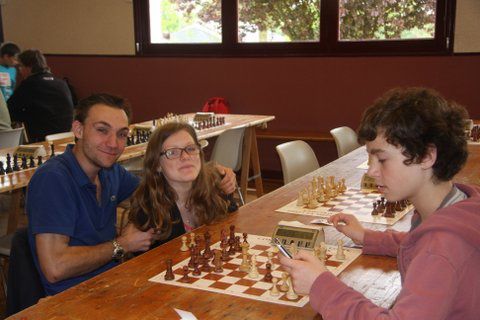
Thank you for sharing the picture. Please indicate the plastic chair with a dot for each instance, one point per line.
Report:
(10, 138)
(297, 159)
(345, 139)
(227, 151)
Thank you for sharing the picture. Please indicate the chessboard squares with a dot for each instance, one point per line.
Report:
(214, 276)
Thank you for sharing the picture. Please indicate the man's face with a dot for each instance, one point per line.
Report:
(103, 135)
(396, 180)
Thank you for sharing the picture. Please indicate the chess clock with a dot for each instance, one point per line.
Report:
(305, 236)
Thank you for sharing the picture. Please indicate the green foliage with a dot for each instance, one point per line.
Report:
(299, 20)
(171, 21)
(386, 19)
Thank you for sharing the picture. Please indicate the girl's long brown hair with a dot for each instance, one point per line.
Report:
(153, 200)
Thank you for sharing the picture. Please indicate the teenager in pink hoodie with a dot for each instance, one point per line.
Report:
(416, 144)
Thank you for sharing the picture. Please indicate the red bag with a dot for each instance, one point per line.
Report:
(217, 105)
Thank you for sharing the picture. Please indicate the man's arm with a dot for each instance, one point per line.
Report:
(60, 261)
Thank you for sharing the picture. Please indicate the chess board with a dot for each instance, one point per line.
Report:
(234, 282)
(353, 201)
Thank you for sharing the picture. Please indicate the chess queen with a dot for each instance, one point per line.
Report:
(416, 143)
(179, 190)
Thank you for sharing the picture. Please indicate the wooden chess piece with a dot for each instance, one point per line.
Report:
(284, 286)
(169, 272)
(245, 265)
(374, 211)
(253, 274)
(2, 170)
(191, 263)
(274, 290)
(225, 256)
(185, 278)
(245, 236)
(340, 253)
(196, 270)
(268, 275)
(218, 262)
(32, 162)
(192, 239)
(291, 294)
(184, 246)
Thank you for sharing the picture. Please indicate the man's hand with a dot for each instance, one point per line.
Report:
(134, 240)
(350, 226)
(229, 180)
(304, 268)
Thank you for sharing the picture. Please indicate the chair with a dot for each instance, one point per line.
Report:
(58, 138)
(227, 151)
(10, 138)
(345, 139)
(24, 286)
(5, 245)
(297, 159)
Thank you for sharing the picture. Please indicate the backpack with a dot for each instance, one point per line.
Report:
(217, 105)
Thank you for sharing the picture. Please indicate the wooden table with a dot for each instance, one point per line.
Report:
(14, 182)
(125, 292)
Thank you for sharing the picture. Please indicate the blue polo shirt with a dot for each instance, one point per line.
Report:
(62, 200)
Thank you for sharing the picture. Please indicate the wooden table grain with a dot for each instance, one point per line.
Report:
(124, 292)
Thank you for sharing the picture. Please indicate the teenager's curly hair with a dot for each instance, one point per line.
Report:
(416, 119)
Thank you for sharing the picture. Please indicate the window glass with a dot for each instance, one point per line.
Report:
(185, 21)
(278, 21)
(364, 20)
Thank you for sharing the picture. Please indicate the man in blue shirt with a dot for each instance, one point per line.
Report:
(8, 73)
(72, 199)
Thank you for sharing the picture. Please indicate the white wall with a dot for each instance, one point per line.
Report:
(70, 26)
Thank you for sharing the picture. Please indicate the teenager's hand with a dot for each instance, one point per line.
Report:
(134, 240)
(349, 226)
(229, 180)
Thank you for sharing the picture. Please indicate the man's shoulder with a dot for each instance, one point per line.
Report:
(55, 168)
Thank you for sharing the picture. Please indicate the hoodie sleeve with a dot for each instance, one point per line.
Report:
(425, 294)
(384, 243)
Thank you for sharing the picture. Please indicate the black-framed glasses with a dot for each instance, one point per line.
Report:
(175, 153)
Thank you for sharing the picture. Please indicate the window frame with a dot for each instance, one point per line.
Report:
(442, 44)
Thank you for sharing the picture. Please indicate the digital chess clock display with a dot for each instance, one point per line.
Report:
(305, 238)
(298, 234)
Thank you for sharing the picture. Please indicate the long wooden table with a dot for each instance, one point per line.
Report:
(14, 182)
(124, 292)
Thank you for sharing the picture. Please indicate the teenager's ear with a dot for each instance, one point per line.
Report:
(77, 129)
(430, 157)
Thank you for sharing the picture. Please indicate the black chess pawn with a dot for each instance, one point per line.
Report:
(52, 147)
(39, 161)
(374, 211)
(15, 163)
(24, 162)
(9, 165)
(32, 162)
(2, 170)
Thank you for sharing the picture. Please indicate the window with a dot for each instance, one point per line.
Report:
(292, 27)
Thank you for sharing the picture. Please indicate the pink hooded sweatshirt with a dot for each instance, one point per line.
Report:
(439, 263)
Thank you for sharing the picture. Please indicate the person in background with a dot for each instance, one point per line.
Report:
(179, 191)
(41, 101)
(8, 72)
(5, 122)
(416, 144)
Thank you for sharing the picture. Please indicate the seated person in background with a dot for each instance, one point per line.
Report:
(179, 191)
(416, 144)
(5, 123)
(41, 101)
(72, 199)
(8, 73)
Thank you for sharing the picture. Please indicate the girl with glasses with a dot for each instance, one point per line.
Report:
(179, 191)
